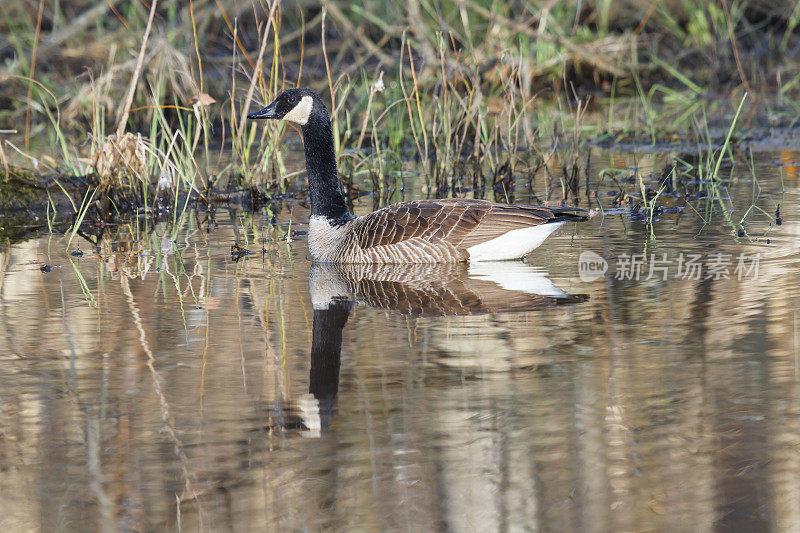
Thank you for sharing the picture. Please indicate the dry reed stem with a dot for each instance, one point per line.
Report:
(65, 34)
(328, 68)
(232, 29)
(302, 47)
(350, 29)
(415, 94)
(126, 104)
(33, 70)
(257, 71)
(34, 160)
(3, 159)
(235, 147)
(408, 107)
(745, 81)
(374, 88)
(526, 27)
(200, 114)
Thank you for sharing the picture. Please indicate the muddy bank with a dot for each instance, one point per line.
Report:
(31, 203)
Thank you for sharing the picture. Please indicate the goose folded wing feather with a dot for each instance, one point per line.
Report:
(458, 222)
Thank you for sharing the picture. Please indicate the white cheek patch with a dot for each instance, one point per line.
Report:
(300, 113)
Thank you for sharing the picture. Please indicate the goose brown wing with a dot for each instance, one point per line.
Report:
(502, 218)
(459, 222)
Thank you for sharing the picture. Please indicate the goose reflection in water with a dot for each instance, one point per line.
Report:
(415, 290)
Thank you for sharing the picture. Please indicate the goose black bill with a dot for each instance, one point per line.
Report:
(267, 112)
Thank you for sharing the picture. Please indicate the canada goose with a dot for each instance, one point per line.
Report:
(423, 231)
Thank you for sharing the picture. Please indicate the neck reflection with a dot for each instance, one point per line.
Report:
(326, 351)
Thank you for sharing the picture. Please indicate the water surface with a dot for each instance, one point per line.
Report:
(159, 384)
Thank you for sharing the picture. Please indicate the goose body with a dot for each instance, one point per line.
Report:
(425, 231)
(433, 231)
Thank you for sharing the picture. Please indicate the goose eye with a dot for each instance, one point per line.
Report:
(291, 99)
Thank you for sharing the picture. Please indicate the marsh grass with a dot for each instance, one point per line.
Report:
(481, 99)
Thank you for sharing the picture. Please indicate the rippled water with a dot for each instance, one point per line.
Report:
(158, 384)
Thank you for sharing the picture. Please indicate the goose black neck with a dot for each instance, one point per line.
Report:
(323, 179)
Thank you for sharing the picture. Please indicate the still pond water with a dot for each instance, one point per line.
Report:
(160, 385)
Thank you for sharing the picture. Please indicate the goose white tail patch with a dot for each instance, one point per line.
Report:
(517, 277)
(300, 113)
(512, 245)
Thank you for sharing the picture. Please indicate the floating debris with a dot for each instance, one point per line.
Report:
(76, 253)
(237, 252)
(46, 268)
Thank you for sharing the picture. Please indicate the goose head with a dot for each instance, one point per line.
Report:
(305, 108)
(294, 105)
